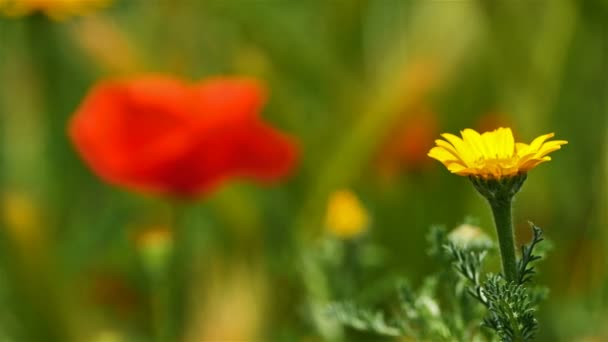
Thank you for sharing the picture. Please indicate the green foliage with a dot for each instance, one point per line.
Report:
(364, 319)
(417, 314)
(510, 306)
(461, 302)
(526, 271)
(510, 310)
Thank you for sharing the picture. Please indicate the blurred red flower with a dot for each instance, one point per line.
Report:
(493, 120)
(406, 145)
(159, 134)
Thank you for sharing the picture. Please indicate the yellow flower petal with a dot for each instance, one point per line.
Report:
(457, 168)
(488, 140)
(538, 142)
(475, 142)
(448, 147)
(521, 148)
(466, 155)
(532, 163)
(442, 155)
(550, 146)
(509, 143)
(492, 154)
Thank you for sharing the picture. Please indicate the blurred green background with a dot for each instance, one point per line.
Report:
(366, 86)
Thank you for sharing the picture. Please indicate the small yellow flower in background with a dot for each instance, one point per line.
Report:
(21, 218)
(492, 155)
(54, 9)
(346, 217)
(154, 243)
(153, 237)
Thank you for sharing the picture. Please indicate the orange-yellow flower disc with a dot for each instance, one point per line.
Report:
(492, 155)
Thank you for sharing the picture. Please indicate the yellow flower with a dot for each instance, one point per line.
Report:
(154, 243)
(21, 218)
(55, 9)
(492, 155)
(346, 217)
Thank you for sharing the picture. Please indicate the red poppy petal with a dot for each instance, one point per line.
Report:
(247, 149)
(124, 128)
(265, 154)
(229, 98)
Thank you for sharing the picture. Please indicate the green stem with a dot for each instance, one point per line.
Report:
(161, 306)
(179, 270)
(506, 238)
(167, 265)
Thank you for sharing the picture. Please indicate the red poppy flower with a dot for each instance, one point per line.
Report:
(159, 134)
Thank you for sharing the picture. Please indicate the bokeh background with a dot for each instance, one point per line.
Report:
(366, 86)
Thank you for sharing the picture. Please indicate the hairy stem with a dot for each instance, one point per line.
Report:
(506, 238)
